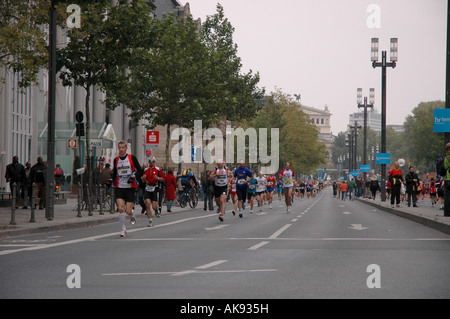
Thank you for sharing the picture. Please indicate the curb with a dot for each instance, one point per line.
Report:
(439, 226)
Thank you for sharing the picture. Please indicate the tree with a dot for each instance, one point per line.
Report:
(299, 143)
(23, 41)
(424, 145)
(99, 53)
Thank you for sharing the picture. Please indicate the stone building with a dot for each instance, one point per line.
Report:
(23, 116)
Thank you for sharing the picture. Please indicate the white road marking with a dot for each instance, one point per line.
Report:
(255, 247)
(212, 264)
(217, 227)
(92, 238)
(279, 231)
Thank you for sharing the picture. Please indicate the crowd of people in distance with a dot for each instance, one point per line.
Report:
(399, 188)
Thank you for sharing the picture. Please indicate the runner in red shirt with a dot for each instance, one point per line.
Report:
(270, 187)
(151, 177)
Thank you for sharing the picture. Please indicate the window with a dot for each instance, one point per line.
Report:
(321, 121)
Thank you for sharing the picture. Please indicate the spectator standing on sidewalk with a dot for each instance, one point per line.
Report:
(171, 185)
(38, 176)
(395, 176)
(15, 173)
(412, 180)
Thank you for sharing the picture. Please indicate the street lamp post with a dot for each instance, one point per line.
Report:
(355, 148)
(365, 105)
(384, 65)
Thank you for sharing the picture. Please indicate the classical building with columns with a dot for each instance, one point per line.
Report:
(23, 116)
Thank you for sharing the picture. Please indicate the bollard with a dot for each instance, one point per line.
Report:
(33, 207)
(102, 199)
(90, 200)
(111, 198)
(13, 207)
(79, 200)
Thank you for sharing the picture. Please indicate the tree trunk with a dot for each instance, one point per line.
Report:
(167, 145)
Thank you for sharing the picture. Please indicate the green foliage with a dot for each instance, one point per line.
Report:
(23, 40)
(299, 143)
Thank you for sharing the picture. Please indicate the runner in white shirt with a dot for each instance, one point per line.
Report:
(287, 177)
(260, 189)
(220, 176)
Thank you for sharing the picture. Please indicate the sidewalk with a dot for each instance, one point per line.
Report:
(424, 214)
(65, 217)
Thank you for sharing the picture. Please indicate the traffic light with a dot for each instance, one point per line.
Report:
(80, 129)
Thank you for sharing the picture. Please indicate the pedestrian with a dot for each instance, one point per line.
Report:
(374, 186)
(26, 188)
(440, 192)
(126, 170)
(38, 176)
(171, 185)
(352, 189)
(396, 178)
(412, 181)
(15, 174)
(433, 191)
(344, 189)
(150, 178)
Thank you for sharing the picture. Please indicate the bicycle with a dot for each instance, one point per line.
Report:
(187, 196)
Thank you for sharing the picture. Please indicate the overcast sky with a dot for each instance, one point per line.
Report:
(321, 50)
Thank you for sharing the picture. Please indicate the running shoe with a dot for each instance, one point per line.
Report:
(240, 214)
(123, 234)
(150, 223)
(233, 212)
(221, 217)
(132, 220)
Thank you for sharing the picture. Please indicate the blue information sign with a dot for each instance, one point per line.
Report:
(364, 168)
(383, 158)
(441, 121)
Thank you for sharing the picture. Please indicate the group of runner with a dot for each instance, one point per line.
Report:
(242, 184)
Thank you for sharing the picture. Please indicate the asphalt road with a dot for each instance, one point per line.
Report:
(324, 248)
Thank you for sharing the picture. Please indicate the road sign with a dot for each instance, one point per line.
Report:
(152, 137)
(383, 158)
(364, 168)
(72, 143)
(441, 121)
(196, 154)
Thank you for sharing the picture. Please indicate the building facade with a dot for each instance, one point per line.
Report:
(23, 117)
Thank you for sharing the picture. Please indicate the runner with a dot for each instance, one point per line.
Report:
(261, 182)
(287, 176)
(302, 189)
(126, 170)
(241, 173)
(251, 191)
(233, 194)
(152, 176)
(220, 177)
(270, 188)
(279, 189)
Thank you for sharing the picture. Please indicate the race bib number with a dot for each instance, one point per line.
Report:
(241, 181)
(150, 188)
(124, 171)
(287, 181)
